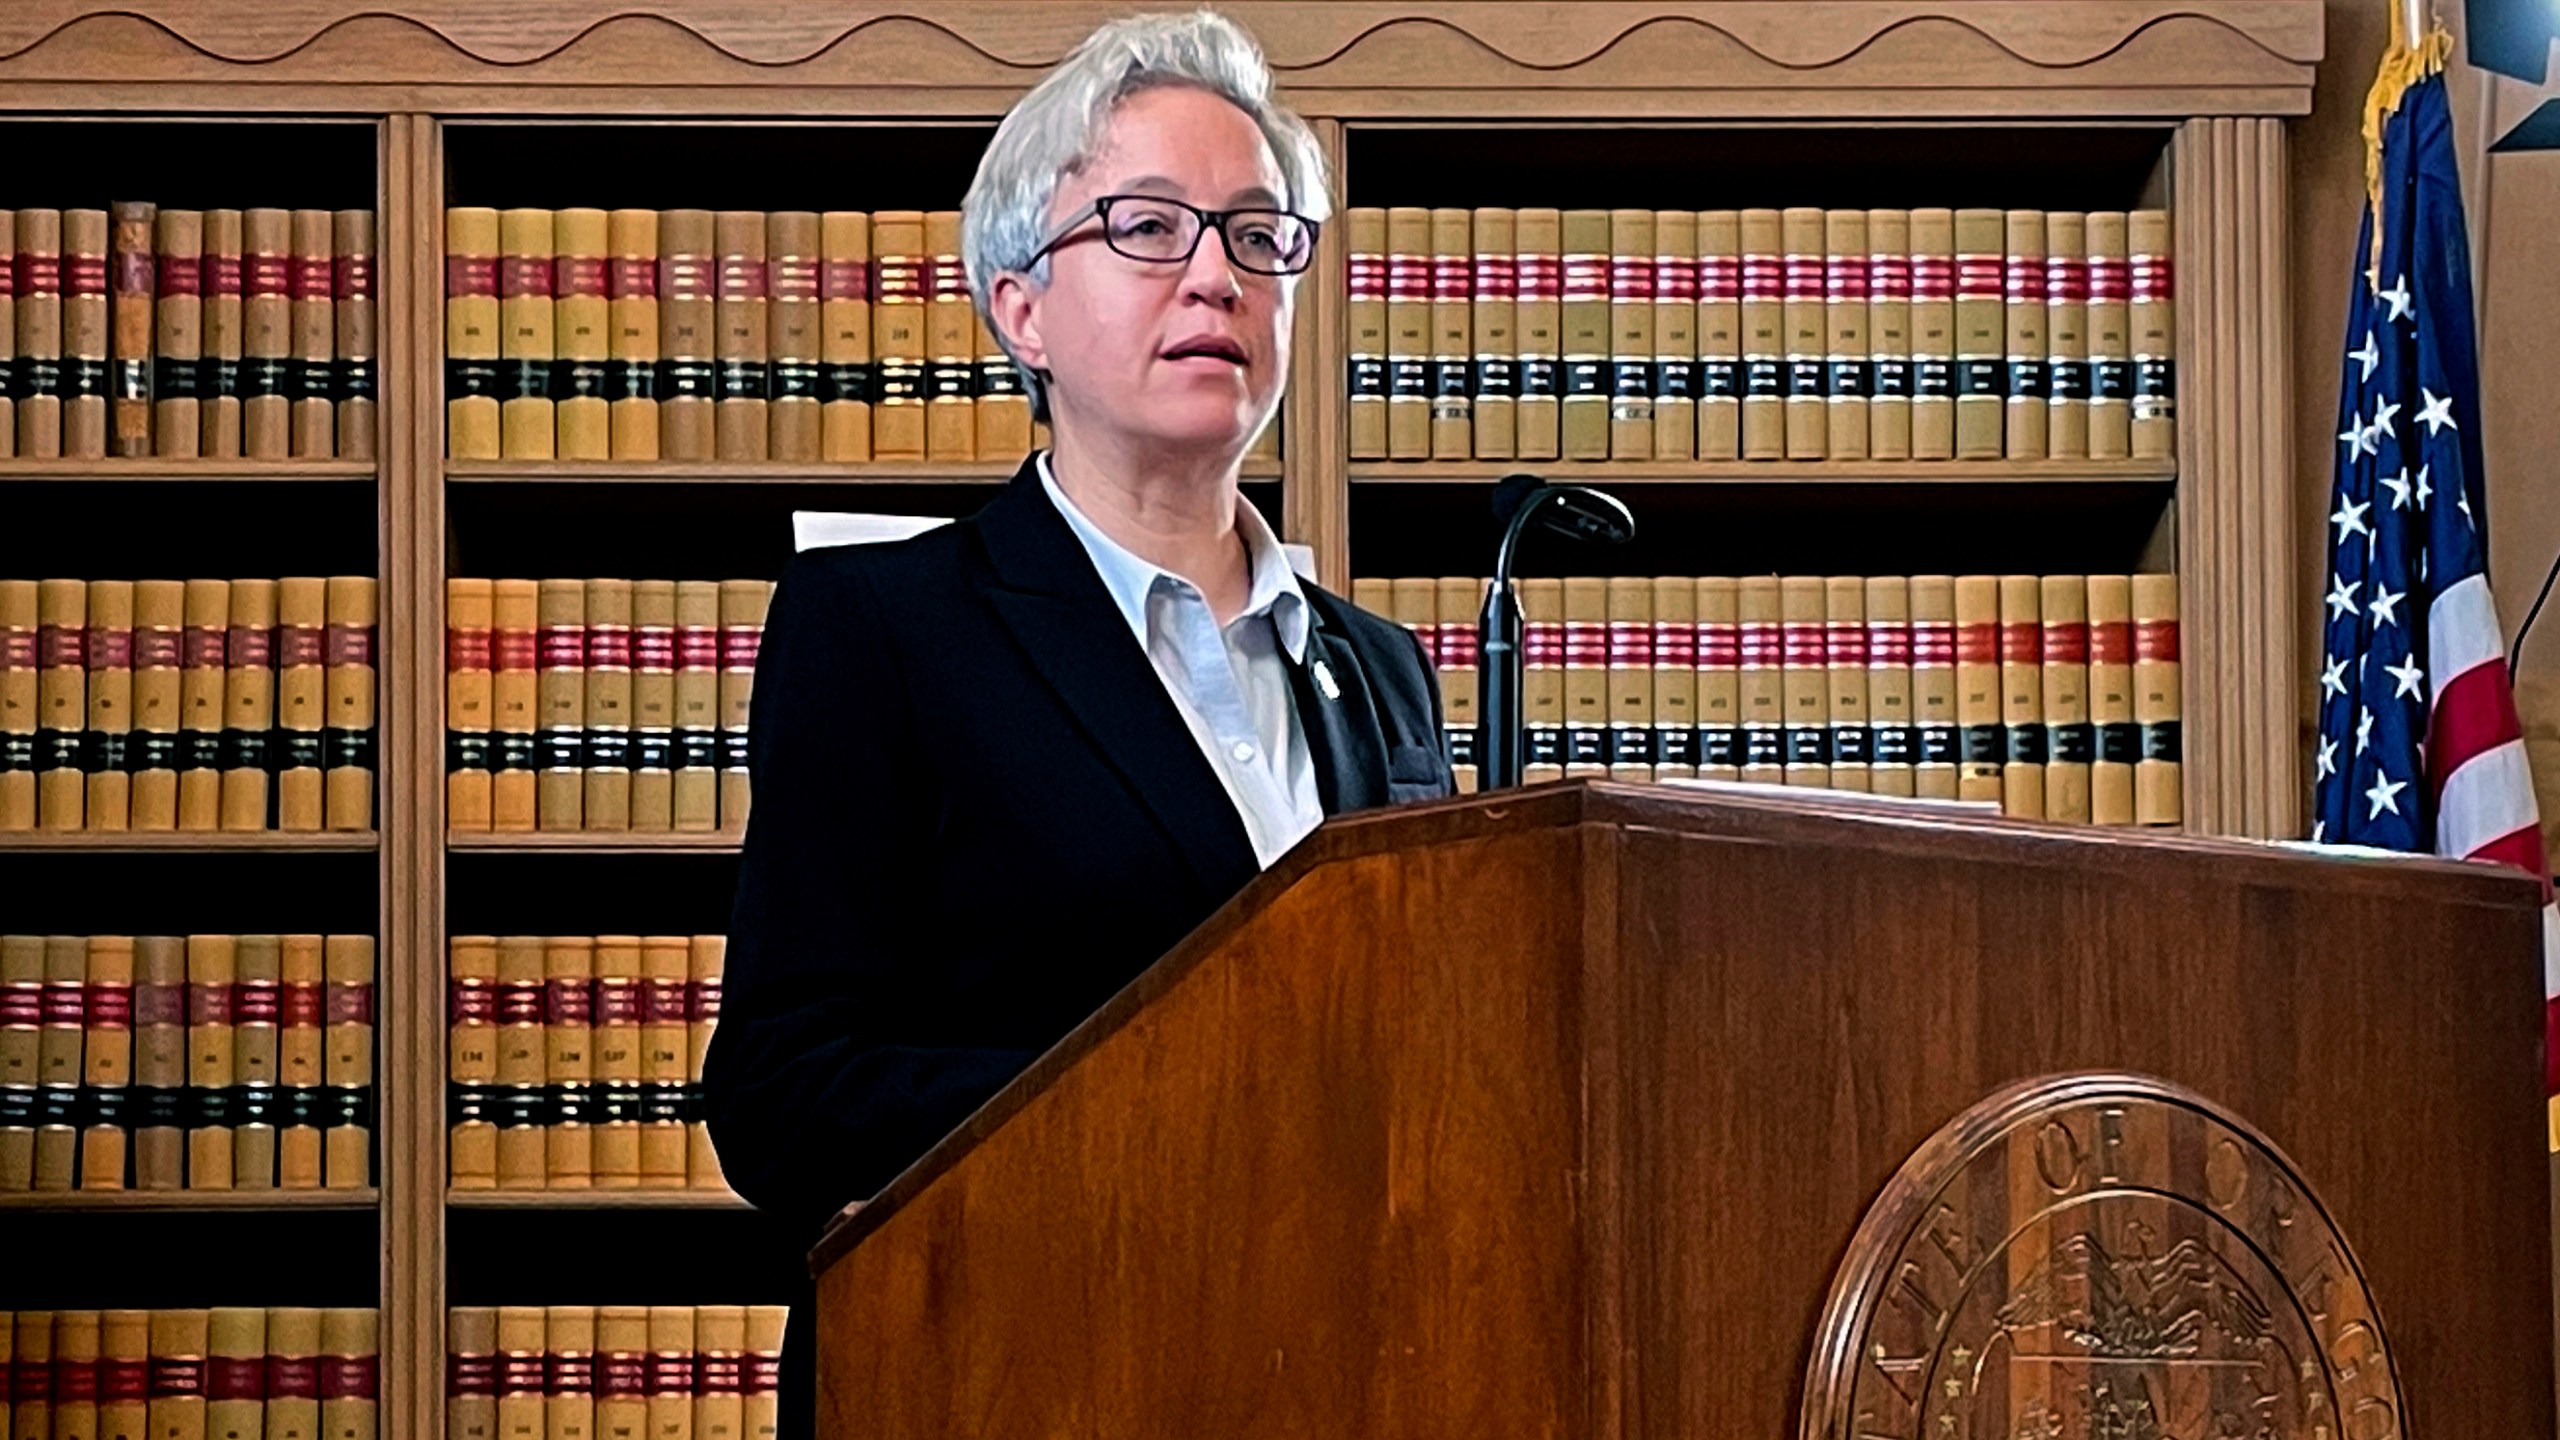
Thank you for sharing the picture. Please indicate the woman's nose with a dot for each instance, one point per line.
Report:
(1211, 273)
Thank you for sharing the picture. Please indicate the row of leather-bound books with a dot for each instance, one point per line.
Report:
(599, 704)
(225, 1373)
(1796, 334)
(169, 1062)
(575, 1061)
(187, 334)
(613, 1372)
(187, 704)
(2056, 696)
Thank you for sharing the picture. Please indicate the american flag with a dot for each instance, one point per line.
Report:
(2419, 746)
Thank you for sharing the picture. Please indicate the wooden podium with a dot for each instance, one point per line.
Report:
(1556, 1113)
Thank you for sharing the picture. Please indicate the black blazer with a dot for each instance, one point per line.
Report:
(977, 816)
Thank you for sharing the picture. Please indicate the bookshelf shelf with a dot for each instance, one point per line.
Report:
(717, 1200)
(189, 472)
(195, 1200)
(1773, 472)
(733, 472)
(583, 842)
(134, 842)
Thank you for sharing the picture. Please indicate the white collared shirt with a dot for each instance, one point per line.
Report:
(1232, 684)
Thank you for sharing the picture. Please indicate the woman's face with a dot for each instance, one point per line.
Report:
(1186, 356)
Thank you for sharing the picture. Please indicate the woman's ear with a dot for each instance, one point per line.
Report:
(1015, 318)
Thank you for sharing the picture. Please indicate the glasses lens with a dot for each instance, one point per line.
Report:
(1274, 242)
(1151, 229)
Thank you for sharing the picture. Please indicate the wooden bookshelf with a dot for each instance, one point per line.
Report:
(593, 1200)
(595, 842)
(205, 1200)
(142, 842)
(1772, 472)
(182, 472)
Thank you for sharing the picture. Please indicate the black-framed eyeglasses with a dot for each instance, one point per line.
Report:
(1165, 231)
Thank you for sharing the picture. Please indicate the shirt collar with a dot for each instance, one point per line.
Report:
(1130, 579)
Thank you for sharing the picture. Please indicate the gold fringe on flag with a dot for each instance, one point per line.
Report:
(2403, 64)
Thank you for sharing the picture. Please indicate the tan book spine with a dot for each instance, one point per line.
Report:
(2066, 323)
(355, 382)
(1004, 410)
(1720, 374)
(2153, 319)
(706, 968)
(1978, 687)
(653, 704)
(1848, 380)
(106, 1061)
(212, 968)
(1633, 300)
(266, 334)
(205, 655)
(218, 409)
(671, 1339)
(764, 1371)
(1763, 335)
(1937, 767)
(178, 1378)
(742, 429)
(795, 339)
(1892, 738)
(62, 703)
(2063, 613)
(515, 696)
(1365, 232)
(302, 682)
(1980, 334)
(1630, 678)
(607, 800)
(1805, 679)
(1452, 407)
(1719, 600)
(1844, 642)
(2119, 738)
(844, 283)
(472, 1043)
(620, 1070)
(159, 629)
(2110, 337)
(666, 966)
(1889, 376)
(1675, 676)
(131, 319)
(631, 305)
(1408, 333)
(1802, 310)
(471, 1373)
(293, 1373)
(2157, 701)
(31, 1376)
(312, 273)
(160, 1000)
(248, 704)
(346, 744)
(622, 1372)
(568, 1061)
(1586, 676)
(522, 1161)
(235, 1374)
(528, 335)
(20, 686)
(719, 1372)
(2026, 341)
(85, 333)
(1761, 675)
(1538, 317)
(1493, 329)
(560, 781)
(522, 1333)
(1585, 320)
(569, 1368)
(695, 785)
(688, 319)
(1933, 335)
(22, 967)
(1414, 603)
(66, 967)
(582, 333)
(898, 320)
(124, 1375)
(743, 604)
(2022, 777)
(951, 344)
(1542, 678)
(301, 1053)
(347, 1151)
(257, 1014)
(76, 1339)
(1458, 600)
(1674, 378)
(471, 320)
(350, 1373)
(106, 750)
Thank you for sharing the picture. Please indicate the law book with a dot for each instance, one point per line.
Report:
(1584, 325)
(1844, 644)
(719, 1372)
(20, 681)
(765, 1325)
(620, 1070)
(515, 694)
(2022, 708)
(898, 320)
(2152, 319)
(694, 789)
(106, 1062)
(518, 1095)
(471, 330)
(1720, 372)
(1892, 741)
(741, 427)
(1804, 680)
(1452, 337)
(1003, 408)
(1981, 319)
(1414, 603)
(472, 1043)
(302, 680)
(671, 1339)
(124, 1375)
(86, 333)
(467, 716)
(1673, 382)
(22, 959)
(159, 627)
(350, 1373)
(131, 320)
(2118, 737)
(266, 334)
(248, 704)
(212, 970)
(2066, 324)
(1763, 335)
(606, 701)
(2069, 744)
(743, 604)
(176, 1409)
(622, 1372)
(160, 1093)
(1630, 697)
(653, 704)
(2110, 320)
(1933, 334)
(1458, 600)
(631, 333)
(1719, 677)
(1938, 766)
(2156, 700)
(1493, 385)
(235, 1373)
(1586, 676)
(293, 1373)
(1675, 676)
(1803, 314)
(1632, 236)
(569, 1371)
(1365, 311)
(688, 321)
(218, 391)
(528, 335)
(1889, 377)
(1408, 311)
(568, 1061)
(347, 1067)
(62, 703)
(1538, 320)
(353, 383)
(301, 999)
(471, 1373)
(561, 690)
(581, 334)
(204, 653)
(106, 748)
(1978, 687)
(666, 966)
(1542, 679)
(522, 1372)
(256, 1017)
(706, 969)
(63, 1017)
(31, 1376)
(951, 343)
(2024, 335)
(76, 1338)
(844, 304)
(346, 739)
(1760, 678)
(1847, 383)
(795, 340)
(12, 373)
(308, 385)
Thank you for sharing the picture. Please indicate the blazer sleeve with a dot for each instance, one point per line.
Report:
(815, 1091)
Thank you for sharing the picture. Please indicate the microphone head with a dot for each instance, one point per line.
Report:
(1588, 514)
(1512, 492)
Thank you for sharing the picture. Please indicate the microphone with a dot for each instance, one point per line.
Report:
(1577, 511)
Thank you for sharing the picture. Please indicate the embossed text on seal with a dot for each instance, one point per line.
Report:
(2099, 1257)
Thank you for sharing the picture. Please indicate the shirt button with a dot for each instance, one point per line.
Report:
(1242, 751)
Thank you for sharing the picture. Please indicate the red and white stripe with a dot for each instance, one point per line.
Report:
(2476, 769)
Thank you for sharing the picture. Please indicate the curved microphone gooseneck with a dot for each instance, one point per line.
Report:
(1574, 510)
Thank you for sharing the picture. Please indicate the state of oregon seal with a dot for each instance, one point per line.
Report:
(2099, 1257)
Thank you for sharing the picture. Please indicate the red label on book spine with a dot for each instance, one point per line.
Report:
(1719, 278)
(466, 649)
(521, 276)
(631, 278)
(109, 1006)
(719, 1374)
(1493, 277)
(17, 648)
(347, 1377)
(1408, 276)
(1889, 277)
(84, 275)
(764, 1374)
(1630, 645)
(21, 1005)
(1978, 643)
(1539, 277)
(1800, 645)
(1933, 277)
(738, 644)
(1631, 278)
(702, 1001)
(1719, 645)
(519, 1002)
(110, 649)
(176, 1377)
(298, 1004)
(2150, 277)
(470, 1375)
(1368, 276)
(350, 644)
(156, 649)
(2066, 280)
(569, 1374)
(1450, 277)
(563, 647)
(1586, 276)
(471, 1000)
(2023, 278)
(311, 277)
(608, 647)
(207, 646)
(670, 1374)
(1675, 645)
(622, 1374)
(351, 277)
(64, 1003)
(795, 277)
(2111, 643)
(618, 1000)
(249, 647)
(2110, 278)
(1586, 643)
(1759, 648)
(123, 1381)
(208, 1004)
(741, 278)
(697, 647)
(663, 1002)
(1888, 645)
(515, 649)
(60, 646)
(1933, 644)
(292, 1377)
(1978, 276)
(577, 275)
(2066, 643)
(1542, 644)
(567, 1002)
(75, 1382)
(2021, 643)
(1844, 278)
(685, 277)
(1456, 644)
(520, 1373)
(255, 1002)
(222, 275)
(844, 279)
(298, 645)
(653, 647)
(2155, 640)
(230, 1377)
(1801, 275)
(1844, 643)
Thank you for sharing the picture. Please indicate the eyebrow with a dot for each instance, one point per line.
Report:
(1162, 185)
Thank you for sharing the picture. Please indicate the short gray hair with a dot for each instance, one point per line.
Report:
(1053, 131)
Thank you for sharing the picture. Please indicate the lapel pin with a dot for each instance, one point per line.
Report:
(1324, 681)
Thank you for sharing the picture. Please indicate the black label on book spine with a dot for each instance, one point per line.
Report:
(207, 1108)
(253, 1105)
(2111, 379)
(2067, 380)
(697, 749)
(58, 1107)
(949, 380)
(1985, 744)
(1851, 744)
(513, 750)
(2071, 744)
(17, 1107)
(1764, 745)
(618, 1103)
(1408, 377)
(795, 379)
(1889, 377)
(1631, 379)
(1675, 378)
(1978, 375)
(1537, 375)
(59, 749)
(308, 379)
(739, 380)
(103, 752)
(37, 376)
(1719, 378)
(131, 379)
(1449, 379)
(158, 1107)
(733, 749)
(1933, 377)
(2025, 378)
(298, 1107)
(153, 750)
(2120, 743)
(567, 1104)
(470, 377)
(2160, 741)
(266, 376)
(1808, 745)
(1368, 376)
(516, 1107)
(351, 378)
(1804, 376)
(466, 750)
(608, 749)
(524, 380)
(1545, 745)
(83, 376)
(997, 376)
(561, 749)
(577, 380)
(652, 749)
(1585, 376)
(900, 381)
(17, 751)
(244, 749)
(1719, 745)
(847, 380)
(221, 375)
(348, 1107)
(1494, 375)
(1675, 745)
(631, 380)
(684, 379)
(173, 379)
(2025, 745)
(1889, 745)
(109, 1106)
(298, 750)
(662, 1105)
(1458, 743)
(346, 748)
(1763, 376)
(1631, 745)
(2154, 376)
(1939, 746)
(1845, 379)
(199, 749)
(1586, 745)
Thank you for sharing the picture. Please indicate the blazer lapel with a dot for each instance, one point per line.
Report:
(1052, 599)
(1340, 719)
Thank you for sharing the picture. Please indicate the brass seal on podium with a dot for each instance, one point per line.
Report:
(2099, 1257)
